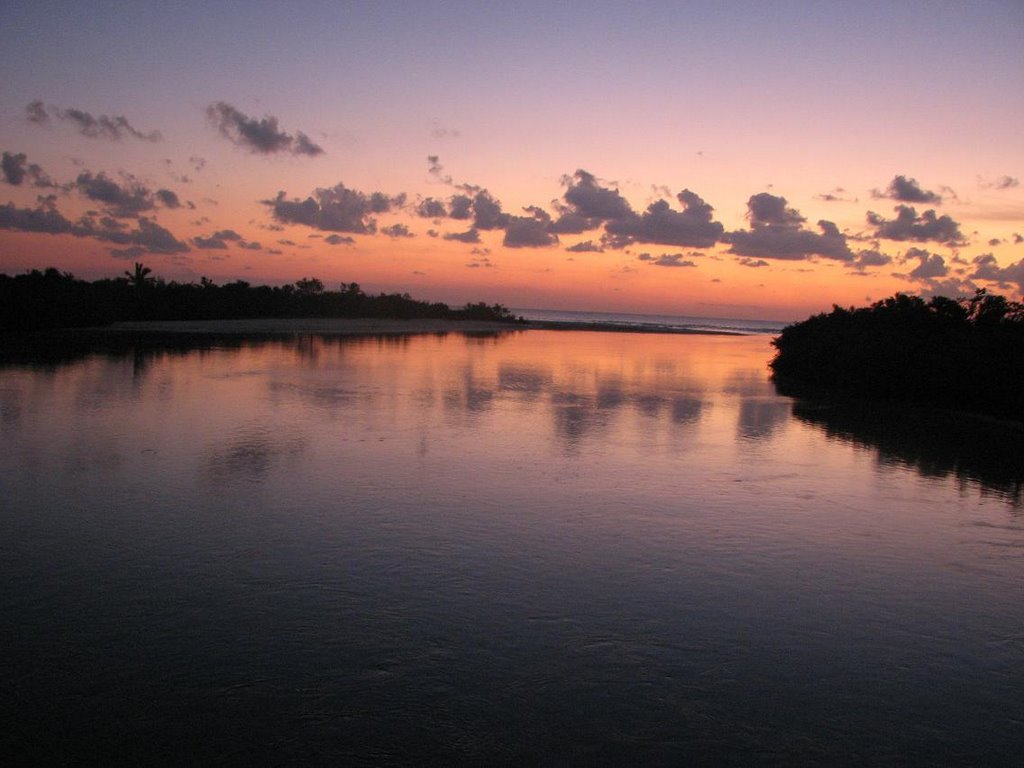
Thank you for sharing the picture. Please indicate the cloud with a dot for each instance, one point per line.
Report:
(691, 227)
(471, 235)
(217, 241)
(397, 230)
(123, 201)
(909, 226)
(589, 200)
(529, 231)
(94, 127)
(337, 240)
(746, 262)
(250, 245)
(587, 246)
(666, 260)
(262, 137)
(431, 208)
(987, 268)
(907, 191)
(16, 168)
(837, 195)
(776, 232)
(1000, 182)
(868, 258)
(46, 219)
(930, 266)
(167, 198)
(460, 207)
(487, 212)
(337, 209)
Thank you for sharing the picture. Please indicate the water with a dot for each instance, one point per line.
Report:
(534, 548)
(655, 322)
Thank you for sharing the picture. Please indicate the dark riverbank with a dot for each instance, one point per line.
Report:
(961, 355)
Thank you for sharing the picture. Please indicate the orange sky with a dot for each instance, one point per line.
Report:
(845, 155)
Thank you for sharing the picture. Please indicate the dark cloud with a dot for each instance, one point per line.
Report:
(471, 235)
(431, 208)
(1018, 238)
(45, 218)
(460, 207)
(777, 232)
(123, 201)
(487, 213)
(930, 265)
(337, 240)
(262, 137)
(587, 198)
(36, 112)
(909, 226)
(752, 262)
(691, 227)
(987, 268)
(250, 245)
(95, 127)
(667, 260)
(167, 198)
(16, 168)
(767, 210)
(867, 258)
(218, 240)
(907, 191)
(337, 209)
(397, 230)
(587, 246)
(994, 241)
(529, 231)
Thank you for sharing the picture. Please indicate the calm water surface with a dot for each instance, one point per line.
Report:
(539, 548)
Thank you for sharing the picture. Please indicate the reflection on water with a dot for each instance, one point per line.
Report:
(532, 547)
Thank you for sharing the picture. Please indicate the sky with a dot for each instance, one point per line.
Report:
(729, 159)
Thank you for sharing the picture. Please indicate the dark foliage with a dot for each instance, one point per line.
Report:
(966, 354)
(51, 299)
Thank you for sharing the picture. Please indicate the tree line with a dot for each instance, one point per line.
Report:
(965, 354)
(49, 299)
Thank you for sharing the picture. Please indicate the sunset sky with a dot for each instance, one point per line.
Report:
(746, 159)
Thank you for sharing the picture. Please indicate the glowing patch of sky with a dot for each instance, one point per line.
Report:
(725, 99)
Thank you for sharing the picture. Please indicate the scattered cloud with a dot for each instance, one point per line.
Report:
(16, 169)
(691, 227)
(666, 260)
(94, 127)
(929, 266)
(748, 262)
(46, 219)
(1000, 182)
(587, 246)
(217, 241)
(909, 226)
(777, 232)
(471, 235)
(259, 136)
(397, 230)
(986, 267)
(907, 191)
(337, 240)
(336, 209)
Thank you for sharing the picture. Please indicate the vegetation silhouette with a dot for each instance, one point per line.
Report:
(50, 299)
(963, 354)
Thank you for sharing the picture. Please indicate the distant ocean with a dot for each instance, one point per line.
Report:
(654, 322)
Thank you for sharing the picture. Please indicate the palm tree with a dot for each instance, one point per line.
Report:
(140, 277)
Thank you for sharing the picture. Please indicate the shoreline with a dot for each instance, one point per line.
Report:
(368, 327)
